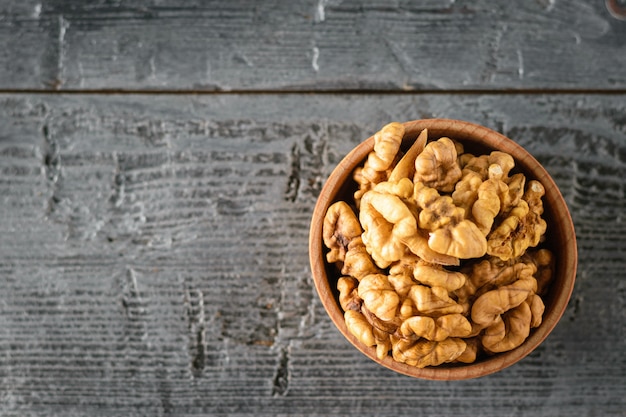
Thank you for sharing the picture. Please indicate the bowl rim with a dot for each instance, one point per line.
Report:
(485, 137)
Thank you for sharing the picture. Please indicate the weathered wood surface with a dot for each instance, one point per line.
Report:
(312, 45)
(153, 258)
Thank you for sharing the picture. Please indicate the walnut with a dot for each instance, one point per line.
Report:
(428, 353)
(401, 280)
(485, 191)
(437, 211)
(450, 233)
(383, 346)
(386, 222)
(523, 228)
(455, 325)
(437, 276)
(504, 163)
(439, 329)
(359, 327)
(487, 204)
(365, 183)
(387, 143)
(478, 164)
(421, 327)
(407, 309)
(340, 227)
(433, 301)
(403, 188)
(515, 191)
(487, 166)
(509, 331)
(464, 240)
(544, 262)
(357, 262)
(472, 349)
(367, 178)
(437, 165)
(466, 191)
(509, 189)
(492, 274)
(489, 306)
(501, 241)
(464, 296)
(379, 296)
(500, 273)
(535, 224)
(348, 296)
(537, 307)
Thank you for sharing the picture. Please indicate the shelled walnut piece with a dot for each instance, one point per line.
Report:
(434, 252)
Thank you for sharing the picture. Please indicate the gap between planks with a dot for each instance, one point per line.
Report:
(251, 92)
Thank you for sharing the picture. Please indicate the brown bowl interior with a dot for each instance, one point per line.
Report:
(560, 238)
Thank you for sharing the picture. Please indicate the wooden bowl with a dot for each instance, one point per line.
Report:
(560, 239)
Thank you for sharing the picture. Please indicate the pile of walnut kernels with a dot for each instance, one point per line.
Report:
(437, 253)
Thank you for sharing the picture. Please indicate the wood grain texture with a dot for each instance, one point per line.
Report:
(310, 45)
(154, 259)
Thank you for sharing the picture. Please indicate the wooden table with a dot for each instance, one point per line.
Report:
(160, 160)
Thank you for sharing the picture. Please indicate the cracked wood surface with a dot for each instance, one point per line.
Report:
(312, 45)
(154, 256)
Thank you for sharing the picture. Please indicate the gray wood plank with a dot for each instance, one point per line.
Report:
(25, 46)
(154, 261)
(311, 45)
